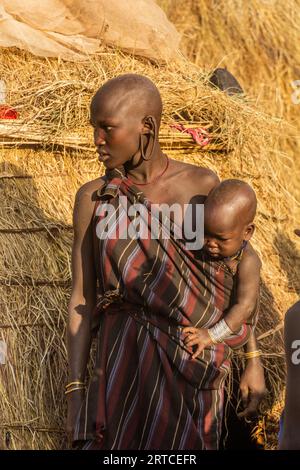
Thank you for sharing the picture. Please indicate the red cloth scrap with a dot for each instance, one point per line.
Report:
(199, 135)
(6, 112)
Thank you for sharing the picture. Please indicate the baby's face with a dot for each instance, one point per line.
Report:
(225, 228)
(219, 244)
(224, 231)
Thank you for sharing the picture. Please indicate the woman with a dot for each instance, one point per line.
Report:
(145, 392)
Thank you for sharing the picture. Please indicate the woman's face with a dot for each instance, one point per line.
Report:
(116, 131)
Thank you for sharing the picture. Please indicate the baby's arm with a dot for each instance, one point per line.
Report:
(248, 279)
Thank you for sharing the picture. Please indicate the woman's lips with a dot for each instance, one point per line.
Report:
(103, 156)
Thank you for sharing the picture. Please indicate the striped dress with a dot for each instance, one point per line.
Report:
(145, 391)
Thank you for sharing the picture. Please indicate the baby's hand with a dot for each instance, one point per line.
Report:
(196, 336)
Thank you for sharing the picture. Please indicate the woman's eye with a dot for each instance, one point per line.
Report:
(108, 128)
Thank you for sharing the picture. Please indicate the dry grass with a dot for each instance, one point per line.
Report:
(42, 164)
(258, 41)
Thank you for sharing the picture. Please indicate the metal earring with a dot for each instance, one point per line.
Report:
(142, 148)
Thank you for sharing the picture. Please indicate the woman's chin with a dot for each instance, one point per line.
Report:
(108, 164)
(111, 164)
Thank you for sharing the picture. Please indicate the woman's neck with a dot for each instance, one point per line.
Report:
(145, 171)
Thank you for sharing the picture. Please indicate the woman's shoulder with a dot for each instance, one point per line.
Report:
(194, 173)
(91, 187)
(87, 194)
(188, 168)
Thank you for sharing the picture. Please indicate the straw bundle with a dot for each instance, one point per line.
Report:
(43, 161)
(258, 41)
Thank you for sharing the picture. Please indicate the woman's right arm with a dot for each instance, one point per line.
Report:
(82, 300)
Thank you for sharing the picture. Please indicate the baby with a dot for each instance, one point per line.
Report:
(229, 211)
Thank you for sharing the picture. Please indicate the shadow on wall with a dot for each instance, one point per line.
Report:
(32, 315)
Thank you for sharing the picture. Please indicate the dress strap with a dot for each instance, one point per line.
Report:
(111, 186)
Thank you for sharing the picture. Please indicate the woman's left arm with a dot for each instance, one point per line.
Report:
(252, 383)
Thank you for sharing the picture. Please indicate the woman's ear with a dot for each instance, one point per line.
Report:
(149, 129)
(249, 230)
(149, 125)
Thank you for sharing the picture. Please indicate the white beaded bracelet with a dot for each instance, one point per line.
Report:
(219, 332)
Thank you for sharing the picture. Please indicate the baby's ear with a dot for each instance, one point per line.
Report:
(249, 231)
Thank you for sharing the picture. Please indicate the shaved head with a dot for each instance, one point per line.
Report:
(126, 114)
(132, 92)
(234, 199)
(229, 211)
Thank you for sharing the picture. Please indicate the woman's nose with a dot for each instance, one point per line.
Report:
(99, 137)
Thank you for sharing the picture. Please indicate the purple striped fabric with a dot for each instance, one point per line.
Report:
(145, 391)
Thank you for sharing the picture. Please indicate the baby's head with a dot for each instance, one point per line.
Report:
(229, 211)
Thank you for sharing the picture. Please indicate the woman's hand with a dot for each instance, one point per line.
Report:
(252, 387)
